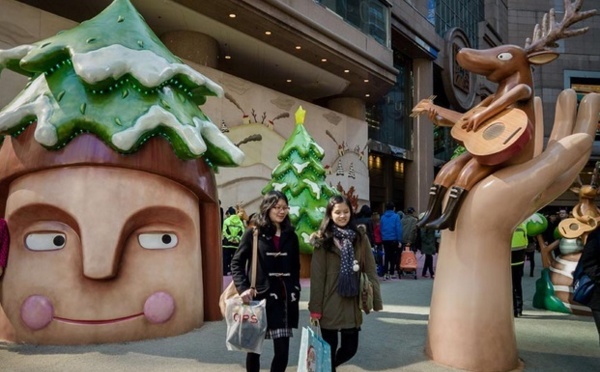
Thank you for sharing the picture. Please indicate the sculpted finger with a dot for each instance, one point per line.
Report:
(566, 158)
(564, 117)
(587, 115)
(517, 191)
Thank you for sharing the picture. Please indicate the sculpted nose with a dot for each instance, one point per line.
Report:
(101, 253)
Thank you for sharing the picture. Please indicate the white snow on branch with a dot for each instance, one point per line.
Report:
(279, 186)
(35, 100)
(193, 136)
(147, 67)
(319, 148)
(156, 116)
(215, 137)
(13, 53)
(295, 210)
(314, 187)
(305, 237)
(300, 167)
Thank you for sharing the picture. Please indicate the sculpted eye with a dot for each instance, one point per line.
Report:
(505, 56)
(49, 241)
(157, 240)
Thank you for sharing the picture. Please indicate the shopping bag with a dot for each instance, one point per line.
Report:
(366, 293)
(246, 325)
(228, 293)
(315, 352)
(583, 286)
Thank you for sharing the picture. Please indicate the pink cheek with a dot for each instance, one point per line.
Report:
(37, 312)
(159, 307)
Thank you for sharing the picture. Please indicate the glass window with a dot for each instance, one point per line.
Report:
(388, 119)
(465, 14)
(370, 16)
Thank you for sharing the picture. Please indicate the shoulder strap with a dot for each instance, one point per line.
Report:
(254, 257)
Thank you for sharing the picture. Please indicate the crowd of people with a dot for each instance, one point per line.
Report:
(344, 239)
(343, 236)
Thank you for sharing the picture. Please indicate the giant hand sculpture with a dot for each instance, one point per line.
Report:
(471, 322)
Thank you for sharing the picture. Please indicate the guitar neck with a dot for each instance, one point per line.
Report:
(444, 117)
(448, 115)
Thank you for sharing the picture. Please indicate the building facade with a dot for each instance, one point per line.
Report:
(357, 67)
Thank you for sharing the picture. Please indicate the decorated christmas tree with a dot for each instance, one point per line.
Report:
(111, 76)
(300, 175)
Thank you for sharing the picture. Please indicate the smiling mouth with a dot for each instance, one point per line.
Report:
(97, 322)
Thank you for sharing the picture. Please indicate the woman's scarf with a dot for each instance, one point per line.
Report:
(348, 281)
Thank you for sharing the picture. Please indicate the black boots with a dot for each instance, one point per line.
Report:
(434, 206)
(448, 218)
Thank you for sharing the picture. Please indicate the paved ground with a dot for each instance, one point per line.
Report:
(391, 340)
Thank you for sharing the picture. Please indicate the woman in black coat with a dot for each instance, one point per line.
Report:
(590, 260)
(277, 276)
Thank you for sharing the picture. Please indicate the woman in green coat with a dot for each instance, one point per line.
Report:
(334, 279)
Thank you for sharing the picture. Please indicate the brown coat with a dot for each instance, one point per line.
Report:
(339, 312)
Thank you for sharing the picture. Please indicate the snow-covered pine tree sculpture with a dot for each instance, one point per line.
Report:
(114, 248)
(301, 177)
(111, 76)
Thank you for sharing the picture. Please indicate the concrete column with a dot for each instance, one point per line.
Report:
(353, 107)
(192, 46)
(419, 172)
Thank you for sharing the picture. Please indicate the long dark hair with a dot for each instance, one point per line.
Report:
(263, 221)
(326, 228)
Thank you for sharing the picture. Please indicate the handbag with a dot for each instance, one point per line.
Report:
(583, 285)
(365, 288)
(315, 352)
(231, 291)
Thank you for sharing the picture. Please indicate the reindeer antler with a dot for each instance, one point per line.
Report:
(545, 37)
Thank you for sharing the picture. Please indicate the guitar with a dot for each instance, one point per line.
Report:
(493, 142)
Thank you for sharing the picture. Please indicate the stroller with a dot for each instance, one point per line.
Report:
(408, 263)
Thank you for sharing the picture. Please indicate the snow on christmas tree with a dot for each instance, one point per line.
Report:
(300, 175)
(340, 168)
(351, 171)
(111, 76)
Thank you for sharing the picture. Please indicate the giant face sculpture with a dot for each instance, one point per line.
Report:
(102, 257)
(106, 247)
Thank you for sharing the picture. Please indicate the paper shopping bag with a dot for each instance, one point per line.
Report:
(315, 353)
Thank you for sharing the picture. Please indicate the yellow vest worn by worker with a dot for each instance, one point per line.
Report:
(518, 245)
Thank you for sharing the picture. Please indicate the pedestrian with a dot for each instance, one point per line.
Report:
(252, 220)
(233, 229)
(428, 248)
(363, 217)
(548, 234)
(530, 253)
(409, 229)
(376, 220)
(590, 260)
(517, 263)
(277, 276)
(334, 276)
(391, 234)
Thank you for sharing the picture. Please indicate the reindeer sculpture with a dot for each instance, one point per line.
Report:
(557, 270)
(498, 131)
(586, 214)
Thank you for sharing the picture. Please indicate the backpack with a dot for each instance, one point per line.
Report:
(583, 286)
